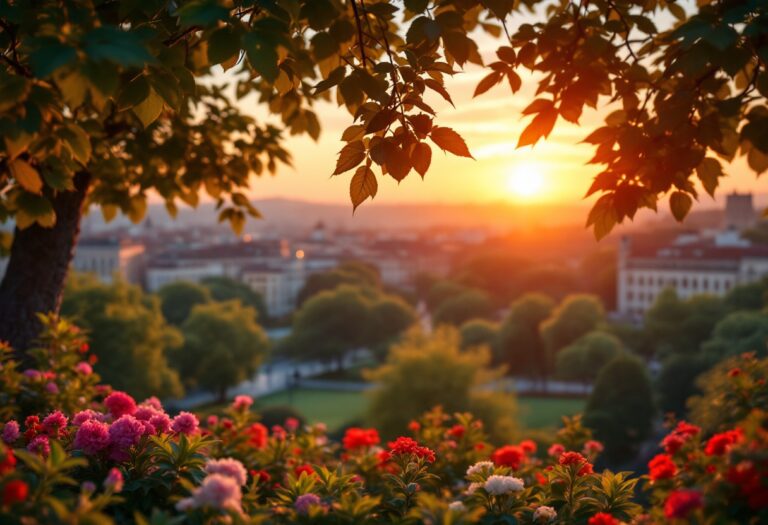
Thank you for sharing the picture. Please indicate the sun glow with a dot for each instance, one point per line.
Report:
(526, 181)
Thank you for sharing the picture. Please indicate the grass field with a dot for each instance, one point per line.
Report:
(338, 408)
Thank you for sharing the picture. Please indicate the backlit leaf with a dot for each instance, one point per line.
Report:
(421, 157)
(680, 203)
(362, 186)
(541, 126)
(149, 109)
(450, 141)
(350, 156)
(488, 82)
(27, 176)
(709, 172)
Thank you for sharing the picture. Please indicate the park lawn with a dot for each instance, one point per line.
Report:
(336, 409)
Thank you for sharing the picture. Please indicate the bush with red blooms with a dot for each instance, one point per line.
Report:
(105, 458)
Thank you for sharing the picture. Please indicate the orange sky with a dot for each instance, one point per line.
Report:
(490, 125)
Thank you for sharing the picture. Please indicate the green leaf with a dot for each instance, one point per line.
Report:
(149, 109)
(78, 142)
(201, 13)
(117, 45)
(262, 56)
(50, 55)
(223, 45)
(680, 203)
(362, 186)
(134, 93)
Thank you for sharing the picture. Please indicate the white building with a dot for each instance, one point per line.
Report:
(107, 258)
(690, 265)
(279, 286)
(158, 275)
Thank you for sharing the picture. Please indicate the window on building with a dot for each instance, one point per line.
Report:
(685, 282)
(717, 284)
(630, 296)
(705, 284)
(630, 278)
(640, 280)
(695, 284)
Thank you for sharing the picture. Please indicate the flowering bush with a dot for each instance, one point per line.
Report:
(103, 457)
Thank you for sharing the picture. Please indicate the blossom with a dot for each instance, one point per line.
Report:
(83, 368)
(456, 506)
(54, 423)
(227, 467)
(52, 388)
(114, 480)
(544, 514)
(568, 459)
(261, 476)
(479, 467)
(456, 431)
(603, 518)
(749, 478)
(529, 446)
(360, 438)
(119, 404)
(161, 423)
(85, 415)
(8, 463)
(555, 450)
(92, 436)
(593, 447)
(242, 403)
(672, 443)
(185, 423)
(662, 467)
(414, 426)
(11, 431)
(305, 502)
(40, 445)
(720, 443)
(680, 503)
(216, 491)
(498, 485)
(407, 446)
(508, 456)
(686, 429)
(292, 424)
(304, 469)
(472, 487)
(15, 491)
(123, 434)
(257, 435)
(33, 374)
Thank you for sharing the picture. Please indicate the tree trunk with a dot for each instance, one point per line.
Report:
(34, 278)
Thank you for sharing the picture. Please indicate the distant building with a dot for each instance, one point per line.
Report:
(109, 257)
(159, 274)
(690, 264)
(279, 286)
(739, 211)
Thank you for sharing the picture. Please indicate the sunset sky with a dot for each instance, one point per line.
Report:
(490, 125)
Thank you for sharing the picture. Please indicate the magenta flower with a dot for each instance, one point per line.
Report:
(11, 432)
(52, 388)
(161, 423)
(123, 434)
(242, 403)
(306, 501)
(92, 436)
(40, 445)
(114, 480)
(54, 423)
(153, 402)
(119, 403)
(86, 415)
(83, 368)
(185, 423)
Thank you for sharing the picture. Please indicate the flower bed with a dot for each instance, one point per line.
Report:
(102, 457)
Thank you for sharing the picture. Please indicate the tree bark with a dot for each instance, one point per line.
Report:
(37, 268)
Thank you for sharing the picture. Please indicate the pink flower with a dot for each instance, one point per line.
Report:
(92, 436)
(556, 450)
(291, 424)
(114, 480)
(40, 445)
(145, 412)
(153, 402)
(185, 423)
(161, 422)
(593, 447)
(242, 403)
(119, 403)
(217, 491)
(212, 420)
(52, 388)
(305, 502)
(86, 415)
(83, 368)
(123, 434)
(54, 423)
(11, 432)
(228, 467)
(32, 374)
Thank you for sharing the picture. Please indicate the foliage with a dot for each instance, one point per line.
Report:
(423, 371)
(522, 348)
(620, 408)
(128, 335)
(177, 300)
(677, 380)
(227, 289)
(574, 317)
(465, 306)
(223, 346)
(750, 296)
(345, 318)
(738, 333)
(583, 359)
(730, 392)
(354, 273)
(120, 462)
(440, 291)
(480, 332)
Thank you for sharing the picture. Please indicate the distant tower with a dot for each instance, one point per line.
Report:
(739, 211)
(318, 233)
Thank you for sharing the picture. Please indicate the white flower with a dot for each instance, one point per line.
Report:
(545, 514)
(498, 485)
(480, 466)
(473, 487)
(456, 506)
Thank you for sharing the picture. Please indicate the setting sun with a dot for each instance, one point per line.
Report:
(526, 181)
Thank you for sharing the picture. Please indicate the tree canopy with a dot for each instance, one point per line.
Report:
(177, 300)
(521, 346)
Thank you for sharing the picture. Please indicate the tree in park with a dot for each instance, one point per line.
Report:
(127, 333)
(227, 289)
(576, 316)
(354, 273)
(223, 346)
(738, 333)
(521, 346)
(456, 310)
(620, 408)
(104, 102)
(480, 332)
(583, 359)
(179, 298)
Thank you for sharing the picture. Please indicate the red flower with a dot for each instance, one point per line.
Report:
(304, 468)
(456, 431)
(15, 491)
(403, 446)
(84, 348)
(540, 478)
(752, 482)
(261, 476)
(556, 450)
(8, 462)
(720, 443)
(734, 372)
(360, 438)
(568, 459)
(593, 447)
(509, 456)
(662, 467)
(529, 446)
(414, 426)
(672, 443)
(602, 518)
(257, 435)
(681, 502)
(686, 429)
